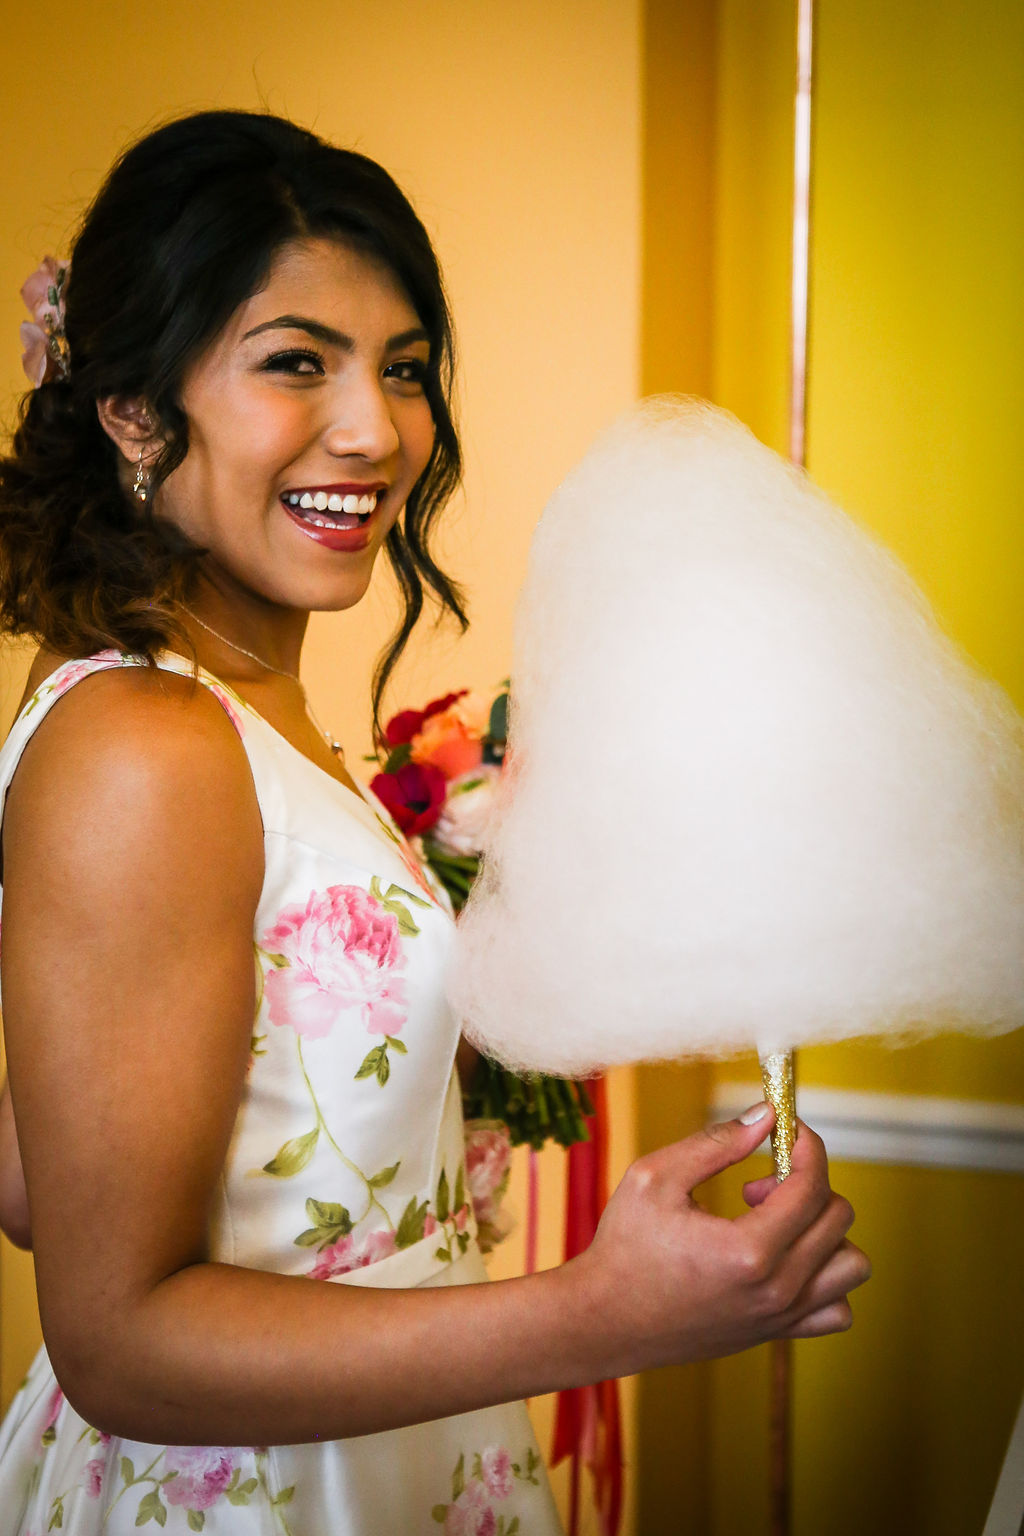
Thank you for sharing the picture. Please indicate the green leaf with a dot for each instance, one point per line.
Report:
(419, 901)
(398, 757)
(460, 1188)
(410, 1227)
(383, 1179)
(513, 1528)
(196, 1519)
(49, 1435)
(398, 1045)
(497, 725)
(443, 1207)
(439, 1513)
(459, 1478)
(293, 1156)
(383, 1067)
(327, 1213)
(237, 1495)
(462, 1238)
(443, 1254)
(284, 1497)
(127, 1470)
(236, 1474)
(478, 1466)
(406, 927)
(371, 1062)
(57, 1518)
(150, 1508)
(279, 962)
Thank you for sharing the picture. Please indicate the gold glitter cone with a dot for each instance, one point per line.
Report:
(777, 1076)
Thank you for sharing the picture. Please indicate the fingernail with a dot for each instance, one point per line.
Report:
(755, 1113)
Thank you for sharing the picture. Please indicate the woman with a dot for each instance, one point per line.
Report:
(247, 401)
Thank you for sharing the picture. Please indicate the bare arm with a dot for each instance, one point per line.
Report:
(133, 859)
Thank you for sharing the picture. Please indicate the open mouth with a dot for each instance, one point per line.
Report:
(332, 509)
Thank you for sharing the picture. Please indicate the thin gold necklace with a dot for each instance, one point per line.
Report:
(335, 746)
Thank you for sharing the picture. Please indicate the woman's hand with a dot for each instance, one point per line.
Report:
(670, 1282)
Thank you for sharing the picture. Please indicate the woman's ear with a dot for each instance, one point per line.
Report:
(127, 422)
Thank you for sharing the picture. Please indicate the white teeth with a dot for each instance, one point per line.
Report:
(367, 503)
(320, 501)
(351, 503)
(334, 503)
(294, 499)
(306, 500)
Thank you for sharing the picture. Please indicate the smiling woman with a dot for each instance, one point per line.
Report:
(262, 1296)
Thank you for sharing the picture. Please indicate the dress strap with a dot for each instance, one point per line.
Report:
(71, 672)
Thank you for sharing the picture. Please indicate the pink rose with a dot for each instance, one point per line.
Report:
(348, 1253)
(43, 357)
(488, 1164)
(488, 1158)
(35, 352)
(471, 1514)
(497, 1472)
(35, 291)
(451, 739)
(344, 953)
(203, 1472)
(94, 1471)
(461, 826)
(74, 671)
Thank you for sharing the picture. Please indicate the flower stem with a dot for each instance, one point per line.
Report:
(353, 1167)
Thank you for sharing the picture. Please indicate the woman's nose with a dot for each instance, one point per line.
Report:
(362, 423)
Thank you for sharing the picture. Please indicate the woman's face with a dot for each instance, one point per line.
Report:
(308, 428)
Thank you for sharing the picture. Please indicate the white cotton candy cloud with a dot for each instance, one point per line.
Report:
(757, 796)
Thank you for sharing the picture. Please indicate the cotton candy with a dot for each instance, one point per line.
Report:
(755, 796)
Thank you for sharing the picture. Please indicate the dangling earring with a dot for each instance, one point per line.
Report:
(140, 490)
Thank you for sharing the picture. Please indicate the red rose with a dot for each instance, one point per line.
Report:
(403, 727)
(414, 795)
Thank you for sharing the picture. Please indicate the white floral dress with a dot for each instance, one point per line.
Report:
(346, 1165)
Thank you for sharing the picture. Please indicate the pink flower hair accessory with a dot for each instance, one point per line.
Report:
(45, 354)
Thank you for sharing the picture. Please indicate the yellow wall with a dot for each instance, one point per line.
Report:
(917, 389)
(516, 131)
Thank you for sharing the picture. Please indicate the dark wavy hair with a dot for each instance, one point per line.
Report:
(182, 232)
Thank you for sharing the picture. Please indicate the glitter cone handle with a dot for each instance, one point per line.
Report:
(777, 1076)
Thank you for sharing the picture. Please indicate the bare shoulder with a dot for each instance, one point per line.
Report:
(135, 756)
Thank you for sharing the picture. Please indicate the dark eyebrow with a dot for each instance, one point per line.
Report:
(333, 338)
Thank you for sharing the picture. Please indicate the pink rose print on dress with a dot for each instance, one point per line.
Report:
(489, 1480)
(342, 953)
(94, 1471)
(69, 675)
(496, 1468)
(488, 1161)
(349, 1253)
(203, 1473)
(471, 1514)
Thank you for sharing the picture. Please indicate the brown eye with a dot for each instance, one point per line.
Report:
(297, 360)
(411, 371)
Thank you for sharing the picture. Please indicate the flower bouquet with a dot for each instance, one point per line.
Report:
(438, 781)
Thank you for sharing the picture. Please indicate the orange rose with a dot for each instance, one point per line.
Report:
(452, 739)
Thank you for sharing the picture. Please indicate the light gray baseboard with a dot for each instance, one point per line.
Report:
(898, 1128)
